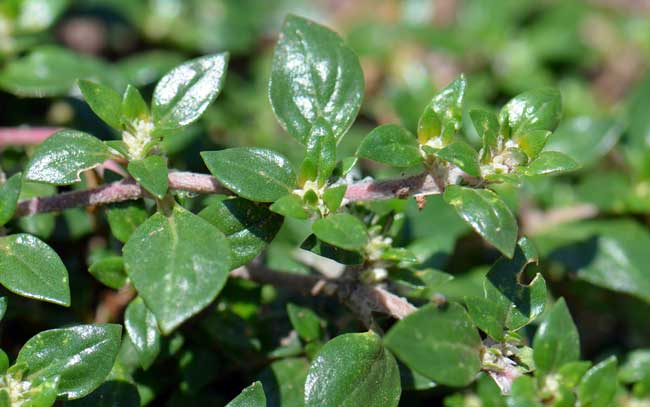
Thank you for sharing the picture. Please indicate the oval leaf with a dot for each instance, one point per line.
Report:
(599, 385)
(62, 157)
(9, 193)
(556, 341)
(142, 328)
(342, 230)
(353, 370)
(538, 109)
(549, 162)
(392, 145)
(104, 101)
(151, 173)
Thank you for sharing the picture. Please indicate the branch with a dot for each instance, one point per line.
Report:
(128, 189)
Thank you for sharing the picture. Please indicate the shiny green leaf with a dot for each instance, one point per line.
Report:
(151, 173)
(556, 341)
(124, 218)
(321, 248)
(320, 153)
(9, 193)
(549, 162)
(133, 106)
(109, 271)
(251, 396)
(142, 328)
(599, 385)
(291, 206)
(305, 322)
(538, 109)
(342, 230)
(392, 145)
(487, 127)
(333, 197)
(448, 107)
(461, 155)
(104, 101)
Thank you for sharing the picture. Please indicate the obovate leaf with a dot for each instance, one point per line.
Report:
(133, 106)
(257, 174)
(487, 214)
(82, 356)
(556, 341)
(342, 230)
(599, 385)
(461, 155)
(62, 157)
(549, 162)
(249, 227)
(392, 145)
(9, 193)
(251, 396)
(448, 108)
(142, 328)
(439, 343)
(178, 263)
(538, 109)
(30, 268)
(314, 75)
(291, 206)
(353, 370)
(104, 101)
(183, 94)
(151, 173)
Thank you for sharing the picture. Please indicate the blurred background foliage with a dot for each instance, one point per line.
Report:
(591, 226)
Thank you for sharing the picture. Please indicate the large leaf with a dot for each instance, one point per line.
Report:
(62, 157)
(392, 145)
(487, 214)
(178, 263)
(142, 328)
(30, 268)
(9, 193)
(182, 95)
(82, 356)
(439, 343)
(253, 173)
(248, 226)
(556, 341)
(538, 109)
(314, 75)
(251, 396)
(353, 370)
(342, 230)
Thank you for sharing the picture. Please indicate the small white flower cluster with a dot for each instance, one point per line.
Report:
(18, 390)
(319, 191)
(137, 138)
(502, 163)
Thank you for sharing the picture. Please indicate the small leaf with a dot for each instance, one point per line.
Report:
(538, 109)
(290, 206)
(524, 393)
(348, 257)
(487, 214)
(571, 373)
(249, 227)
(439, 343)
(183, 94)
(109, 271)
(9, 193)
(284, 382)
(333, 197)
(556, 341)
(104, 101)
(253, 173)
(142, 328)
(342, 230)
(599, 385)
(82, 356)
(429, 126)
(133, 105)
(549, 162)
(461, 155)
(448, 107)
(305, 322)
(353, 370)
(30, 268)
(251, 396)
(532, 142)
(392, 145)
(178, 264)
(63, 156)
(151, 173)
(124, 218)
(321, 153)
(487, 127)
(314, 75)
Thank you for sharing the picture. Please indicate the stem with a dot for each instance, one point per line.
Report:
(24, 136)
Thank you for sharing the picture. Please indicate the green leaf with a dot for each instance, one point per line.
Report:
(448, 108)
(439, 343)
(124, 218)
(599, 385)
(9, 193)
(461, 155)
(571, 373)
(333, 197)
(538, 109)
(314, 75)
(321, 153)
(284, 382)
(429, 126)
(487, 214)
(63, 156)
(556, 341)
(249, 227)
(353, 370)
(178, 264)
(585, 139)
(113, 393)
(82, 356)
(305, 322)
(348, 257)
(392, 145)
(523, 393)
(342, 230)
(109, 271)
(257, 174)
(183, 94)
(104, 101)
(142, 328)
(3, 308)
(487, 127)
(549, 162)
(251, 396)
(291, 206)
(151, 173)
(30, 268)
(532, 142)
(133, 106)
